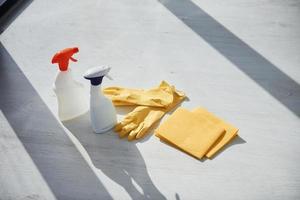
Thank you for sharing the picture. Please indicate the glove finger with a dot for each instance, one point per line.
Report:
(151, 119)
(128, 119)
(126, 129)
(112, 90)
(142, 132)
(122, 133)
(118, 127)
(133, 133)
(138, 111)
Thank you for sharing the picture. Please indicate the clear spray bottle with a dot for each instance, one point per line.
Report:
(71, 97)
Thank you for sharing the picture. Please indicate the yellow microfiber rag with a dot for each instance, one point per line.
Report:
(197, 133)
(230, 131)
(137, 123)
(190, 132)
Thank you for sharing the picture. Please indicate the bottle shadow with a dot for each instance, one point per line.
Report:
(119, 160)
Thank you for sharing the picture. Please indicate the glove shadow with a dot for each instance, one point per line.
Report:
(118, 159)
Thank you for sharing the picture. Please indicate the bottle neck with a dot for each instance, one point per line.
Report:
(96, 91)
(64, 79)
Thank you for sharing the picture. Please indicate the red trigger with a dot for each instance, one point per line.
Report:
(62, 57)
(73, 59)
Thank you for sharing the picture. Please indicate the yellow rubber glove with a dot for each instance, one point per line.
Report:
(136, 124)
(157, 97)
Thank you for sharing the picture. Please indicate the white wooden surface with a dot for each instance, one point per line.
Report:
(19, 176)
(149, 41)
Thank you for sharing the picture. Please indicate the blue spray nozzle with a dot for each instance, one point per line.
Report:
(96, 80)
(96, 74)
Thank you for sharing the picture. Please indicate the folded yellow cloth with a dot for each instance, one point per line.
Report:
(190, 132)
(230, 131)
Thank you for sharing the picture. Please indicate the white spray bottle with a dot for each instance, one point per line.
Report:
(102, 111)
(71, 98)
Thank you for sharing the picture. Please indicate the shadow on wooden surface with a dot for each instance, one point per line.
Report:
(55, 156)
(237, 140)
(10, 10)
(118, 159)
(258, 68)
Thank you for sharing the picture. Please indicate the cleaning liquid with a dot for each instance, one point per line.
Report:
(71, 97)
(103, 113)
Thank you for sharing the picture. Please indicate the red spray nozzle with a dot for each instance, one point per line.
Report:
(62, 58)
